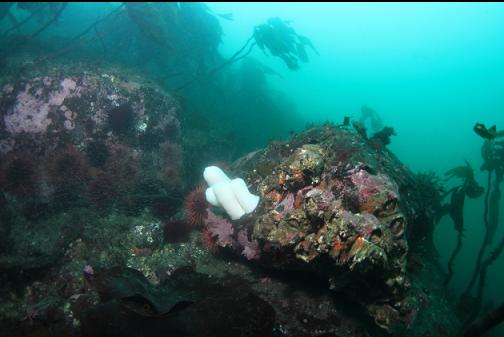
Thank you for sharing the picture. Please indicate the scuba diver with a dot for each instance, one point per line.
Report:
(374, 118)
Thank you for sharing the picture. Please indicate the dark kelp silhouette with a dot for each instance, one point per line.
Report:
(484, 324)
(48, 13)
(381, 138)
(469, 188)
(182, 38)
(148, 20)
(276, 37)
(281, 40)
(493, 156)
(487, 133)
(6, 13)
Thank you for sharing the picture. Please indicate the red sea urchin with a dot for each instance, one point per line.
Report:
(176, 231)
(208, 240)
(19, 175)
(67, 169)
(171, 160)
(195, 206)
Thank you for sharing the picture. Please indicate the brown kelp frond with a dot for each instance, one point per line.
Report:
(462, 172)
(471, 187)
(487, 133)
(381, 138)
(280, 39)
(484, 324)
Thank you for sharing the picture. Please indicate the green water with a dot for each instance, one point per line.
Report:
(430, 70)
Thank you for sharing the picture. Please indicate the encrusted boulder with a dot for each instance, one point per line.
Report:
(46, 108)
(83, 143)
(331, 205)
(67, 129)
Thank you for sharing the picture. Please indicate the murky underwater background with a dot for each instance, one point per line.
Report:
(430, 71)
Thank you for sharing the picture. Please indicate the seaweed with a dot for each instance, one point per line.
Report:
(482, 325)
(281, 40)
(469, 188)
(275, 36)
(186, 304)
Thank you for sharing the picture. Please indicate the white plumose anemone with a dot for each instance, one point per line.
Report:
(232, 195)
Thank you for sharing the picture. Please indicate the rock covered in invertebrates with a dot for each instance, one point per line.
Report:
(330, 205)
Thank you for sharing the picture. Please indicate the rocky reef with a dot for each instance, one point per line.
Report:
(334, 207)
(95, 242)
(87, 137)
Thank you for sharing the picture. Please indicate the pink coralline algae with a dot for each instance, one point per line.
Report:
(220, 228)
(286, 204)
(30, 114)
(374, 190)
(41, 112)
(219, 232)
(67, 87)
(250, 248)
